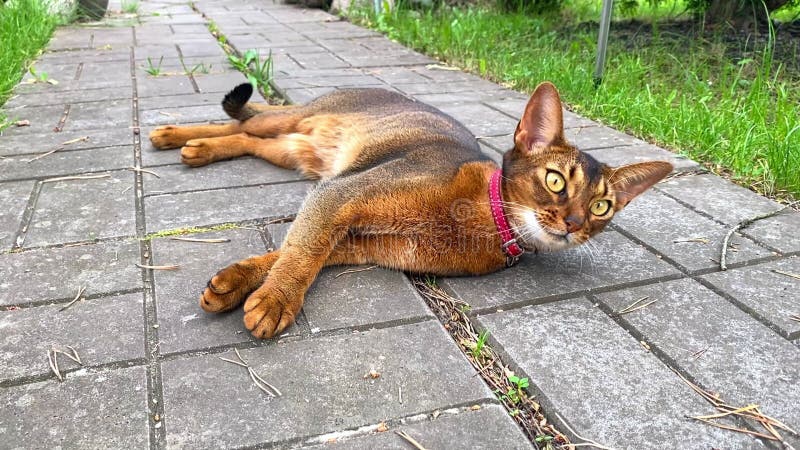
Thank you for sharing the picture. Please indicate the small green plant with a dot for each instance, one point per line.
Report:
(40, 77)
(152, 69)
(257, 70)
(480, 344)
(130, 7)
(516, 390)
(197, 68)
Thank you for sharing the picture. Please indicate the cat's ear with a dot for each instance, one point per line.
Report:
(633, 179)
(542, 123)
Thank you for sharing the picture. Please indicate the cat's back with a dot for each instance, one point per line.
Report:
(411, 136)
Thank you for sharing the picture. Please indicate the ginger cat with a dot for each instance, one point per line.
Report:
(404, 186)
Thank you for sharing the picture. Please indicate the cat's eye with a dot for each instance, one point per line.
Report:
(600, 207)
(555, 182)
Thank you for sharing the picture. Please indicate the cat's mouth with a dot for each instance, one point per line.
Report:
(535, 236)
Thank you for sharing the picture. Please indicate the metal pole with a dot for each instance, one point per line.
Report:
(602, 41)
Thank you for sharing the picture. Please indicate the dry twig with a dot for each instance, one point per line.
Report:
(165, 267)
(140, 170)
(54, 365)
(749, 412)
(788, 274)
(72, 141)
(588, 441)
(632, 307)
(257, 380)
(744, 224)
(206, 241)
(77, 297)
(698, 240)
(364, 269)
(76, 177)
(409, 439)
(42, 155)
(52, 359)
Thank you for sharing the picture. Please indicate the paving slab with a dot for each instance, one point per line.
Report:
(50, 414)
(38, 143)
(480, 119)
(687, 318)
(111, 113)
(487, 428)
(236, 172)
(769, 294)
(590, 138)
(183, 114)
(44, 275)
(602, 381)
(219, 82)
(731, 204)
(76, 95)
(43, 166)
(323, 391)
(148, 86)
(613, 261)
(343, 298)
(183, 325)
(691, 240)
(29, 333)
(83, 210)
(40, 119)
(14, 197)
(472, 85)
(177, 101)
(213, 207)
(636, 153)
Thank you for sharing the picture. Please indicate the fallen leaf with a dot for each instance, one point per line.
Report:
(23, 123)
(382, 427)
(374, 374)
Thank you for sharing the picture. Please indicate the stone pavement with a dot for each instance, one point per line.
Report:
(152, 374)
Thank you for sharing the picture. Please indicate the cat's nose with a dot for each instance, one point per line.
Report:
(573, 224)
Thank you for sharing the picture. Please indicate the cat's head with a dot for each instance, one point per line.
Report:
(555, 195)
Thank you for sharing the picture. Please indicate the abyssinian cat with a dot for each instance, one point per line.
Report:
(404, 186)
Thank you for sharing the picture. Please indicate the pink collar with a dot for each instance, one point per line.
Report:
(510, 247)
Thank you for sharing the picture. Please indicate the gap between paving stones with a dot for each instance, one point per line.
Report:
(698, 276)
(66, 300)
(27, 217)
(155, 392)
(525, 412)
(664, 357)
(97, 368)
(698, 272)
(316, 440)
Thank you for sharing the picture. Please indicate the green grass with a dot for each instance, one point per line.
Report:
(738, 117)
(130, 7)
(25, 28)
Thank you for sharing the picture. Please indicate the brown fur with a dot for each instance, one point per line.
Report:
(402, 186)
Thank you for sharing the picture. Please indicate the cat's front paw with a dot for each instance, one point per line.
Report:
(227, 289)
(166, 137)
(268, 312)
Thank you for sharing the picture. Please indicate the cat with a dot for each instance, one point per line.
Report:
(403, 186)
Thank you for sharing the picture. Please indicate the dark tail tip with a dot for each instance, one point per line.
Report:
(235, 100)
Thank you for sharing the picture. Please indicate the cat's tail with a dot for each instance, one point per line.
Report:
(235, 103)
